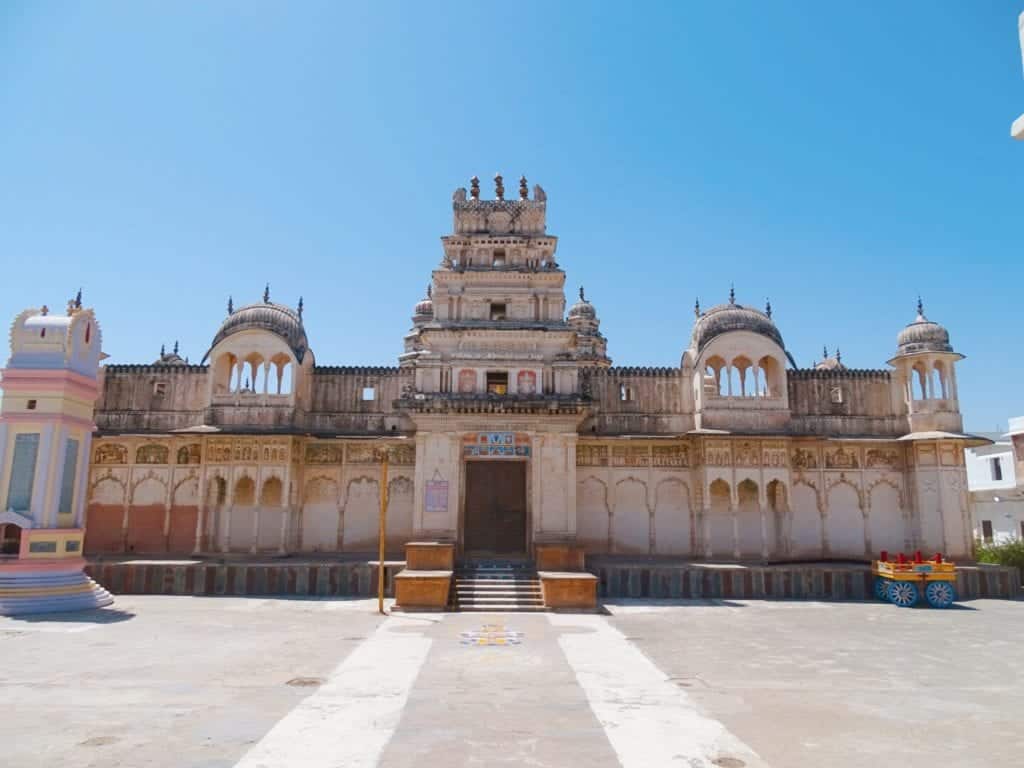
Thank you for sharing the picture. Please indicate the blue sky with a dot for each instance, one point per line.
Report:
(837, 158)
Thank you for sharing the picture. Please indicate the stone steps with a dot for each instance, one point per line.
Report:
(497, 589)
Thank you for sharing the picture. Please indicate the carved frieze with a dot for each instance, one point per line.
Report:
(882, 458)
(746, 454)
(670, 456)
(631, 456)
(275, 453)
(110, 453)
(360, 453)
(152, 454)
(842, 458)
(324, 453)
(804, 458)
(773, 453)
(588, 455)
(190, 454)
(717, 454)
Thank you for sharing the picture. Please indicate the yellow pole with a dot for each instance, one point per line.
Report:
(383, 528)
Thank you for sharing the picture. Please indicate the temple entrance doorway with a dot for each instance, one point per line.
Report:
(495, 521)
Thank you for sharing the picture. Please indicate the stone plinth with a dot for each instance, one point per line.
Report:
(46, 586)
(559, 557)
(422, 590)
(569, 591)
(429, 556)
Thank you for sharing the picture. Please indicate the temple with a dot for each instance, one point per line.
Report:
(509, 427)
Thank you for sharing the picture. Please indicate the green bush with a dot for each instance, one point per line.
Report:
(1009, 553)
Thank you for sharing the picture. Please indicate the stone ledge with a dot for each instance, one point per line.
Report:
(422, 590)
(566, 590)
(429, 556)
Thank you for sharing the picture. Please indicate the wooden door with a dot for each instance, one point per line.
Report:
(495, 522)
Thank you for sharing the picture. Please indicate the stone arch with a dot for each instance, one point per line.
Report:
(770, 374)
(777, 518)
(845, 523)
(720, 523)
(360, 511)
(593, 514)
(743, 367)
(142, 495)
(321, 515)
(101, 490)
(717, 365)
(272, 492)
(399, 518)
(806, 524)
(245, 492)
(748, 518)
(887, 523)
(631, 517)
(673, 518)
(105, 514)
(182, 496)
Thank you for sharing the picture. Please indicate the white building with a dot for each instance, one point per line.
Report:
(995, 478)
(1017, 129)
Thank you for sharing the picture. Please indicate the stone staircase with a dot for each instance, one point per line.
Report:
(497, 586)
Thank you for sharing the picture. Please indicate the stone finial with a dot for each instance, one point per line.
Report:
(920, 307)
(430, 291)
(732, 293)
(839, 355)
(163, 351)
(78, 299)
(582, 297)
(696, 307)
(499, 187)
(300, 307)
(266, 294)
(474, 188)
(44, 311)
(524, 192)
(175, 346)
(231, 306)
(768, 308)
(824, 353)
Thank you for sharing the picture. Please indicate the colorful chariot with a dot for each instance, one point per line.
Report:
(903, 581)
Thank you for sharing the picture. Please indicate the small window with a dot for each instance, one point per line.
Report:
(499, 257)
(836, 395)
(159, 388)
(88, 332)
(31, 405)
(625, 393)
(497, 311)
(986, 531)
(997, 468)
(369, 394)
(497, 382)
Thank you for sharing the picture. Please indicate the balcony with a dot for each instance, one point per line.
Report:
(473, 402)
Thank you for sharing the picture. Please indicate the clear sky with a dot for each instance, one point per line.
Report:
(838, 158)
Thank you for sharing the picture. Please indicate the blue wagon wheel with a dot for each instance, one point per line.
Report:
(903, 593)
(881, 588)
(940, 594)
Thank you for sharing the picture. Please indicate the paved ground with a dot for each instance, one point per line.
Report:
(249, 682)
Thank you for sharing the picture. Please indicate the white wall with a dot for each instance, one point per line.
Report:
(979, 467)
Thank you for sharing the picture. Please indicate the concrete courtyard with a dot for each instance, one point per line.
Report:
(223, 682)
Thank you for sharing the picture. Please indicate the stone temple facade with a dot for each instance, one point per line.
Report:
(509, 427)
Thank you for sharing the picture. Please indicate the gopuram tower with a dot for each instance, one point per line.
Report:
(496, 387)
